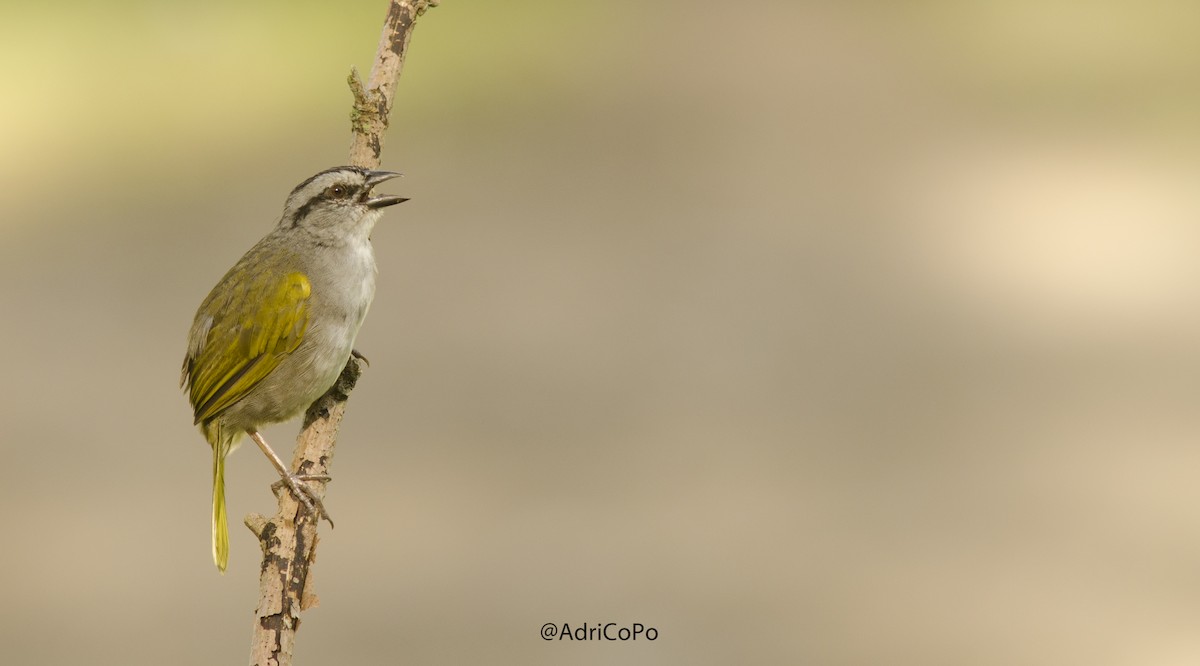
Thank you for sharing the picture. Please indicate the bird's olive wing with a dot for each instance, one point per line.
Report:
(238, 340)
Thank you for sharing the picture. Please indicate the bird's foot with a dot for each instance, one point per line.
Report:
(297, 483)
(303, 492)
(358, 355)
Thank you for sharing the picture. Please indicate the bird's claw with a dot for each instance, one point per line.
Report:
(304, 493)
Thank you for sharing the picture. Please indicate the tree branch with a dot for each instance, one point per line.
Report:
(289, 539)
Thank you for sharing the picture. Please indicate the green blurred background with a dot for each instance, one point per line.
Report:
(806, 332)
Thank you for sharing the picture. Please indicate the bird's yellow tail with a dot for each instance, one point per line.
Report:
(220, 524)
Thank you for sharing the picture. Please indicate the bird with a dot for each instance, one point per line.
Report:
(275, 332)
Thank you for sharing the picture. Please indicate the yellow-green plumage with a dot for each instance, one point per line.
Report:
(258, 320)
(220, 522)
(252, 325)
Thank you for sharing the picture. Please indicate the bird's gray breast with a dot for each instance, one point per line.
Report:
(343, 286)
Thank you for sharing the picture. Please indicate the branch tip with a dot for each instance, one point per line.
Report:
(257, 523)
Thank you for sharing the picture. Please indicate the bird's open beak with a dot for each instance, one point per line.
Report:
(376, 177)
(385, 200)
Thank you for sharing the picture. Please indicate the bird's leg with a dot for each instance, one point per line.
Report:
(358, 355)
(294, 481)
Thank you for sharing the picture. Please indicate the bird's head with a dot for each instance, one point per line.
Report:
(338, 202)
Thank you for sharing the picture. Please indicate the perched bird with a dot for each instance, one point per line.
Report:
(276, 331)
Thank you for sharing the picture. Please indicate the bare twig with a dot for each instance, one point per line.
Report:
(373, 103)
(289, 539)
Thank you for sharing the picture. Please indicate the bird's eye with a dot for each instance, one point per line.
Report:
(338, 191)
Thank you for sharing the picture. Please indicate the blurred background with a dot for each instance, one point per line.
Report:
(805, 332)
